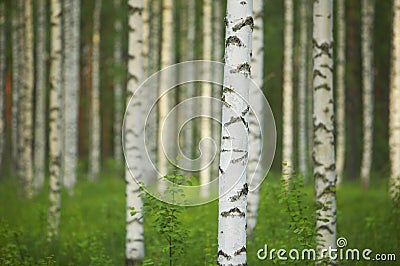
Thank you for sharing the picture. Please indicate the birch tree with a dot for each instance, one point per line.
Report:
(26, 103)
(323, 151)
(368, 88)
(205, 172)
(40, 112)
(165, 101)
(340, 90)
(94, 147)
(15, 51)
(394, 108)
(71, 91)
(233, 187)
(302, 91)
(118, 84)
(55, 142)
(133, 137)
(2, 80)
(255, 140)
(287, 140)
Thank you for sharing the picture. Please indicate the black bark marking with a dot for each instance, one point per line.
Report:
(233, 40)
(324, 86)
(324, 47)
(245, 111)
(227, 90)
(244, 157)
(325, 227)
(249, 21)
(233, 212)
(242, 249)
(220, 169)
(223, 254)
(232, 121)
(244, 68)
(243, 192)
(318, 73)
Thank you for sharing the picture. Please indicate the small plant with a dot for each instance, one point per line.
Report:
(165, 217)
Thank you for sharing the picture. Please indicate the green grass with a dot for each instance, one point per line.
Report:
(92, 225)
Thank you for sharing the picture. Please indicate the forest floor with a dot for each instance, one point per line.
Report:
(92, 225)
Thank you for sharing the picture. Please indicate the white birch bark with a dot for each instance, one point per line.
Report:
(16, 49)
(40, 112)
(94, 147)
(394, 108)
(302, 92)
(368, 88)
(133, 137)
(287, 140)
(118, 84)
(26, 114)
(2, 81)
(255, 141)
(323, 117)
(340, 91)
(71, 91)
(206, 91)
(165, 102)
(55, 143)
(233, 187)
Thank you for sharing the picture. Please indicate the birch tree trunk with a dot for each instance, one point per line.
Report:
(340, 91)
(26, 101)
(94, 148)
(118, 84)
(133, 137)
(16, 50)
(2, 81)
(394, 108)
(255, 140)
(302, 92)
(368, 88)
(190, 87)
(40, 112)
(323, 152)
(205, 172)
(233, 187)
(165, 102)
(55, 143)
(287, 140)
(218, 45)
(71, 91)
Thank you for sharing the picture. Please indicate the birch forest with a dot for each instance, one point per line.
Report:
(199, 132)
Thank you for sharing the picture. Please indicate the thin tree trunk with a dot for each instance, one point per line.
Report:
(133, 137)
(394, 108)
(340, 91)
(368, 89)
(218, 45)
(165, 102)
(94, 148)
(323, 152)
(41, 82)
(255, 140)
(71, 91)
(55, 143)
(118, 84)
(287, 140)
(26, 114)
(302, 92)
(16, 84)
(205, 172)
(2, 81)
(233, 187)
